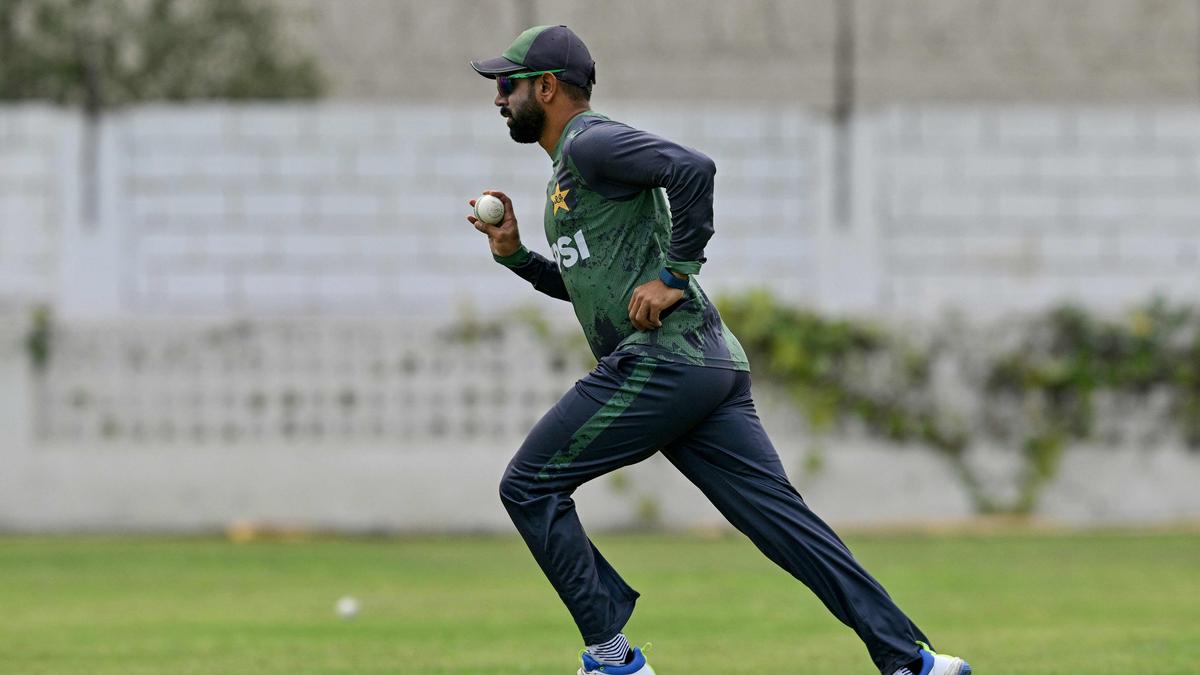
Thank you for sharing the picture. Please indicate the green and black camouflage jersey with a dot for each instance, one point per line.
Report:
(611, 230)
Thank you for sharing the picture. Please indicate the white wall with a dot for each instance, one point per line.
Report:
(321, 248)
(39, 164)
(352, 210)
(357, 209)
(995, 210)
(379, 425)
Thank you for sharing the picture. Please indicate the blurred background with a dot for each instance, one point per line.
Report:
(960, 239)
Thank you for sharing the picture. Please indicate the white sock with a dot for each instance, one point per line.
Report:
(612, 652)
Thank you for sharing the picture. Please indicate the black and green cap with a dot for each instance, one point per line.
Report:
(544, 48)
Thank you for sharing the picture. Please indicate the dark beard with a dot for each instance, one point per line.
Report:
(528, 121)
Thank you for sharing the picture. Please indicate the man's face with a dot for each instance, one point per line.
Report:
(526, 117)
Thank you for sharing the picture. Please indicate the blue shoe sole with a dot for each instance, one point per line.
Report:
(966, 669)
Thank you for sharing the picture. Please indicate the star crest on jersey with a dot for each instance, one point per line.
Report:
(559, 199)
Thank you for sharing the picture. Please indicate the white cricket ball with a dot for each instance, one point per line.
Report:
(489, 209)
(347, 607)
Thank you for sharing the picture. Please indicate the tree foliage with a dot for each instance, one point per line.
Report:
(104, 53)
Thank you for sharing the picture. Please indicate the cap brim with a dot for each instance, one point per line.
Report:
(497, 66)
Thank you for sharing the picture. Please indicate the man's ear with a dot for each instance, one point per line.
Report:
(547, 85)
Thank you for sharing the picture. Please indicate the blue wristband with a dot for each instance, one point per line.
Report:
(665, 276)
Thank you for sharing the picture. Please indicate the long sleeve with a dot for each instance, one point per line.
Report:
(537, 270)
(619, 161)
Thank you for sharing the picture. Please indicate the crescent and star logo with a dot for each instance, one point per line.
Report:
(559, 199)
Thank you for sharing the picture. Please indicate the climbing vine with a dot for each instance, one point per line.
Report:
(1035, 386)
(40, 337)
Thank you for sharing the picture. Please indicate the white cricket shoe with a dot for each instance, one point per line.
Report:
(637, 666)
(933, 663)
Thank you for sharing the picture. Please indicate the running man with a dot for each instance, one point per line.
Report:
(671, 377)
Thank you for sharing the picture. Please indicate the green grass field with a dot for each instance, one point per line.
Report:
(1013, 603)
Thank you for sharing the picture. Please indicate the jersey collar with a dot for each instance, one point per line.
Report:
(567, 129)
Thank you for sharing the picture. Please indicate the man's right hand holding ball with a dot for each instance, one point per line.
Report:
(503, 237)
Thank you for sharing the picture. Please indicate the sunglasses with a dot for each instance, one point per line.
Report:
(505, 84)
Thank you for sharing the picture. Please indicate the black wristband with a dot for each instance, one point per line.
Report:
(671, 280)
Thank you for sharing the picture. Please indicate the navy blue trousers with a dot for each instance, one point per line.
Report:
(704, 421)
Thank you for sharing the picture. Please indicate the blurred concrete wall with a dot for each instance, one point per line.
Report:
(966, 51)
(39, 170)
(324, 245)
(221, 210)
(394, 425)
(352, 209)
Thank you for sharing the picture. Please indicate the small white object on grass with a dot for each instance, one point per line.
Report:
(489, 209)
(347, 607)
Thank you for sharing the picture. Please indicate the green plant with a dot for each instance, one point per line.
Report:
(40, 338)
(1067, 358)
(1037, 396)
(98, 54)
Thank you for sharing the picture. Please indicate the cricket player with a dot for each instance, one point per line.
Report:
(671, 377)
